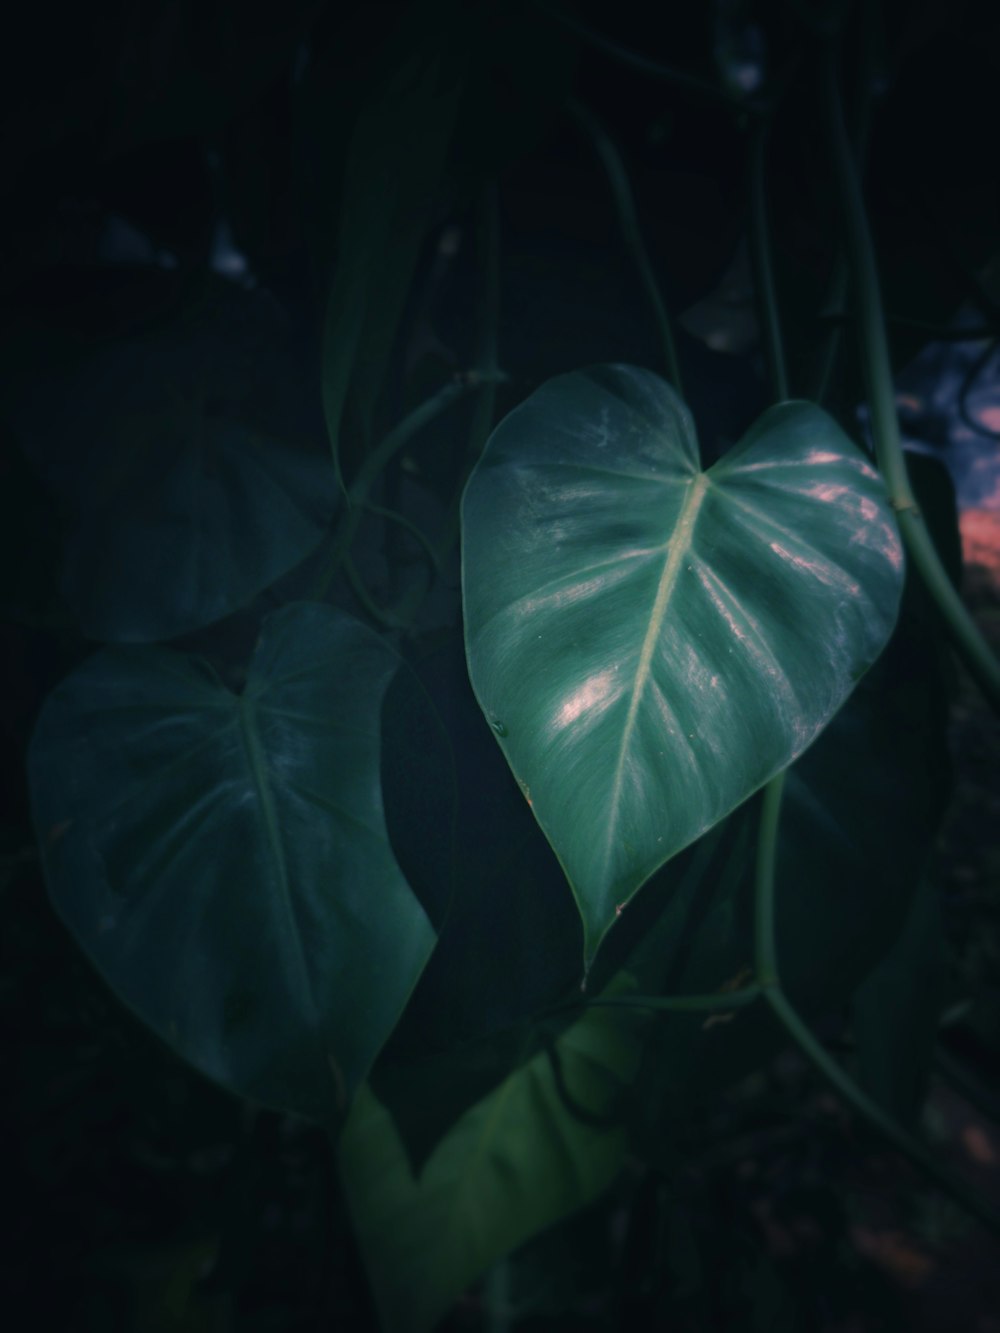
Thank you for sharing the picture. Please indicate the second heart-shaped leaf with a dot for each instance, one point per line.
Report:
(225, 859)
(650, 642)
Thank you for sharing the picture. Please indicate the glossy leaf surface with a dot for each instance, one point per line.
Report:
(650, 642)
(860, 812)
(224, 858)
(535, 1149)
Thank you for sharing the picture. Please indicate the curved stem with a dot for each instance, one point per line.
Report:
(487, 363)
(836, 298)
(717, 1002)
(836, 295)
(763, 267)
(873, 1114)
(487, 352)
(765, 935)
(629, 223)
(360, 488)
(401, 521)
(497, 1297)
(697, 88)
(965, 634)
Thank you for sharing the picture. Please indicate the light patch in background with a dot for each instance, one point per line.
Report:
(930, 393)
(980, 529)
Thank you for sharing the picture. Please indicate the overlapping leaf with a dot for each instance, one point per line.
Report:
(650, 642)
(860, 812)
(546, 1141)
(184, 458)
(224, 858)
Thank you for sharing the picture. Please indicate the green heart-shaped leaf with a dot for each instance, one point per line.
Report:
(651, 643)
(224, 858)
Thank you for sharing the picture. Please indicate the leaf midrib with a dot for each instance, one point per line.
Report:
(257, 763)
(679, 547)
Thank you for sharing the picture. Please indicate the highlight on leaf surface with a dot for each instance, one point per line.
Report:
(652, 642)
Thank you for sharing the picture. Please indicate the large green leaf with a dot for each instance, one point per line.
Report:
(650, 642)
(224, 858)
(542, 1144)
(860, 813)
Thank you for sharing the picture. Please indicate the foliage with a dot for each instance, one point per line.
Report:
(497, 752)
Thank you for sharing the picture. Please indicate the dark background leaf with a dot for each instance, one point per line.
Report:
(224, 859)
(185, 453)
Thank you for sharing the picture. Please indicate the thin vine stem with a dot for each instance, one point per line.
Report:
(629, 222)
(717, 1002)
(769, 985)
(487, 357)
(497, 1297)
(766, 962)
(836, 299)
(910, 1146)
(837, 320)
(384, 616)
(953, 1071)
(356, 499)
(487, 351)
(700, 89)
(401, 521)
(965, 634)
(765, 934)
(760, 245)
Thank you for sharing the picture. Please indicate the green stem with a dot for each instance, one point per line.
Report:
(862, 81)
(628, 221)
(380, 615)
(965, 634)
(873, 1114)
(496, 1297)
(340, 342)
(487, 362)
(763, 266)
(695, 87)
(401, 521)
(769, 985)
(765, 934)
(718, 1002)
(360, 488)
(836, 296)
